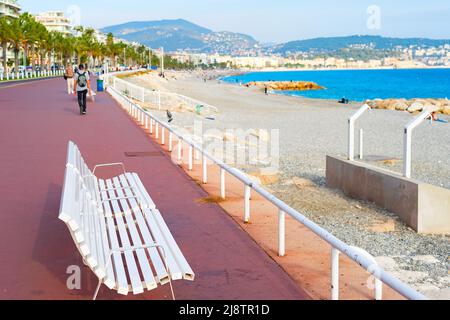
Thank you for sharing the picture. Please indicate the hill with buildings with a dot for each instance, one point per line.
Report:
(180, 34)
(332, 44)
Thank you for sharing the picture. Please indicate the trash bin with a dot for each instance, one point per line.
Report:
(99, 85)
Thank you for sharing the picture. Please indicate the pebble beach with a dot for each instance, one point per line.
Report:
(309, 130)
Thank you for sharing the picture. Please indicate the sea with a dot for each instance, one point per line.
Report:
(361, 85)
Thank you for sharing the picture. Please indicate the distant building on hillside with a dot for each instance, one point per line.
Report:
(9, 8)
(55, 21)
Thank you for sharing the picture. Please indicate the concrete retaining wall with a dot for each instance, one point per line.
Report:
(423, 207)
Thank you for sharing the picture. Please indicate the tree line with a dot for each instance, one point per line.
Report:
(40, 47)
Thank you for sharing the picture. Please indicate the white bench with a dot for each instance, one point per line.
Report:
(116, 227)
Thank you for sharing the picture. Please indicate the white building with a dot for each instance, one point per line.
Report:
(9, 8)
(55, 21)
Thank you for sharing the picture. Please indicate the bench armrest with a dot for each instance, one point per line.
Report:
(109, 165)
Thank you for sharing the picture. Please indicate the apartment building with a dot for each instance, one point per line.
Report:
(55, 21)
(9, 8)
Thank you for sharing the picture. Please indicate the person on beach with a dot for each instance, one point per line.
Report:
(266, 91)
(68, 75)
(82, 82)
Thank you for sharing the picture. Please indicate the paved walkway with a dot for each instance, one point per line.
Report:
(37, 121)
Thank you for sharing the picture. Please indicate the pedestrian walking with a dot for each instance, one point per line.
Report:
(68, 75)
(82, 82)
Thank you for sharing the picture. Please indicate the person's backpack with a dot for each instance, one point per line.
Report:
(82, 80)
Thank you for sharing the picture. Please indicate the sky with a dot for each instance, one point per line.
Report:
(270, 21)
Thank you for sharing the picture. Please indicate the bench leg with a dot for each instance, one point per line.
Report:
(97, 290)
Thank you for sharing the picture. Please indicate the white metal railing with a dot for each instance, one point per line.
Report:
(362, 258)
(158, 99)
(407, 137)
(24, 75)
(407, 144)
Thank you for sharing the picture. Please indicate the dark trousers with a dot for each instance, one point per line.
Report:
(82, 100)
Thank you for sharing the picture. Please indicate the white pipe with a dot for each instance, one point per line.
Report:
(281, 233)
(344, 248)
(170, 141)
(407, 145)
(222, 183)
(190, 166)
(334, 274)
(205, 169)
(351, 131)
(180, 148)
(247, 194)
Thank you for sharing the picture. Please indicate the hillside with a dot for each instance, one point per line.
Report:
(180, 34)
(336, 43)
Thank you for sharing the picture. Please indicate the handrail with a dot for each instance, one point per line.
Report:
(407, 141)
(335, 243)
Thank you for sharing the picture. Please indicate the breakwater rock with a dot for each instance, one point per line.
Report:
(413, 105)
(286, 85)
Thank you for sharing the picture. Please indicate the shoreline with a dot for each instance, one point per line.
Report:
(246, 71)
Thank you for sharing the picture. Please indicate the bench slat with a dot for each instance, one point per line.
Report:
(157, 261)
(135, 237)
(109, 278)
(140, 189)
(174, 249)
(122, 282)
(136, 283)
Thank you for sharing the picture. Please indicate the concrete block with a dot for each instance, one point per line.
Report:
(423, 207)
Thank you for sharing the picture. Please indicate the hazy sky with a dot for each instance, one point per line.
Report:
(271, 20)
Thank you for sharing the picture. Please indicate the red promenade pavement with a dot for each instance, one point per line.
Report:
(36, 122)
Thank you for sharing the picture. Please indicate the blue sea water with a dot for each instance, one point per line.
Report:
(360, 85)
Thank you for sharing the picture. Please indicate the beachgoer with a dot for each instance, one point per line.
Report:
(82, 82)
(266, 91)
(68, 75)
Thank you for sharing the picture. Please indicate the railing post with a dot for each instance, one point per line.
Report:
(222, 183)
(247, 193)
(205, 169)
(378, 289)
(157, 130)
(190, 166)
(146, 122)
(334, 274)
(151, 125)
(170, 141)
(281, 233)
(163, 135)
(407, 144)
(180, 148)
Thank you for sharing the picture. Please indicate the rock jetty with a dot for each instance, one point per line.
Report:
(413, 105)
(286, 85)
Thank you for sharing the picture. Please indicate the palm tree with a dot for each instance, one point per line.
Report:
(5, 36)
(16, 40)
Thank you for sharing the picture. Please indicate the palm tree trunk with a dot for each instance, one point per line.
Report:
(4, 55)
(16, 60)
(33, 63)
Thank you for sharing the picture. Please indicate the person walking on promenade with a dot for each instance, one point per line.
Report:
(68, 75)
(82, 82)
